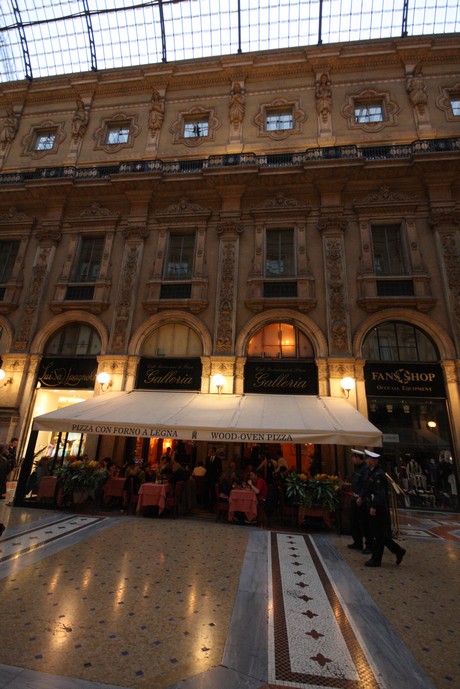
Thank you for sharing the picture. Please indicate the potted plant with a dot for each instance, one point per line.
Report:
(78, 478)
(322, 491)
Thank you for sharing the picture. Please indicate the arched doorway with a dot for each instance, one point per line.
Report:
(406, 400)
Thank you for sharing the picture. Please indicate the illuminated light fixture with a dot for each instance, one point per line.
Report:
(347, 384)
(8, 381)
(105, 381)
(218, 380)
(431, 424)
(389, 408)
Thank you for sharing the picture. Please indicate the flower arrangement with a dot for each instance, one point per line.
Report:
(321, 490)
(79, 475)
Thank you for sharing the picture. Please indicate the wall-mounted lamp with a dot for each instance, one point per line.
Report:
(219, 381)
(105, 381)
(8, 381)
(431, 424)
(347, 384)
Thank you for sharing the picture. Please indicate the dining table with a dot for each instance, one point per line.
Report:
(152, 494)
(113, 488)
(242, 500)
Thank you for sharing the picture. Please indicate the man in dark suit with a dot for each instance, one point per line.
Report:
(213, 472)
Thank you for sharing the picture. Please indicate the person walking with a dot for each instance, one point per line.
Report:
(379, 514)
(359, 523)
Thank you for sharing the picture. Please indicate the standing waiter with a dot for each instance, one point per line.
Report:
(358, 512)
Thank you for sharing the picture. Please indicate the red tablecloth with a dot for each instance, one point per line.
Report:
(113, 488)
(152, 494)
(242, 500)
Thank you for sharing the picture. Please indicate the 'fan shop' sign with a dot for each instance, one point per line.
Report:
(404, 380)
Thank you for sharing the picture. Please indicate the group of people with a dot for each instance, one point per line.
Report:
(370, 516)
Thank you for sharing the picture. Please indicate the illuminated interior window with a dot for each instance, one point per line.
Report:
(280, 341)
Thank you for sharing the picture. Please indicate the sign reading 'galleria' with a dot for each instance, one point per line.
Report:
(169, 374)
(281, 378)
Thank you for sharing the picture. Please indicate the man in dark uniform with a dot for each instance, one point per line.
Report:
(379, 515)
(358, 511)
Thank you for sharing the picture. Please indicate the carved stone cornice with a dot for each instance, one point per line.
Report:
(385, 199)
(444, 218)
(183, 209)
(14, 218)
(135, 232)
(230, 227)
(332, 222)
(280, 202)
(48, 234)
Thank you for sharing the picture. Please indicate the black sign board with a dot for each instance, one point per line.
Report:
(74, 374)
(281, 378)
(169, 374)
(404, 380)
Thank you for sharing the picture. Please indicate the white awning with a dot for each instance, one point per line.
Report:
(216, 418)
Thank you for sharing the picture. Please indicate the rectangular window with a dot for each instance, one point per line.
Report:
(196, 128)
(118, 134)
(389, 252)
(279, 254)
(8, 252)
(366, 113)
(89, 259)
(44, 140)
(179, 259)
(278, 120)
(455, 105)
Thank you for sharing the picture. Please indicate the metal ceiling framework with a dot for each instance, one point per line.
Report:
(46, 37)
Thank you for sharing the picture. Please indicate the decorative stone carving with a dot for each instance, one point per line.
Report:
(95, 210)
(417, 90)
(57, 128)
(226, 301)
(9, 128)
(184, 207)
(450, 246)
(323, 95)
(100, 135)
(125, 299)
(237, 107)
(177, 127)
(79, 121)
(336, 297)
(278, 201)
(33, 297)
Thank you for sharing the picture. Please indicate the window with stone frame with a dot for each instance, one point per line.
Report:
(279, 253)
(196, 127)
(117, 134)
(278, 119)
(388, 246)
(44, 140)
(280, 341)
(8, 253)
(455, 105)
(369, 112)
(75, 339)
(179, 256)
(86, 269)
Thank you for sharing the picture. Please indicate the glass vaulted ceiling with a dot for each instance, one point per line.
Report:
(41, 38)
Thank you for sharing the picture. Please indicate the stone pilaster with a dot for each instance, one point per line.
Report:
(333, 227)
(229, 232)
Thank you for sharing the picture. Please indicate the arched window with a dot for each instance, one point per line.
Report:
(280, 341)
(394, 341)
(173, 340)
(73, 340)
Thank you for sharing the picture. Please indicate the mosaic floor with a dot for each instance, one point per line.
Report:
(90, 601)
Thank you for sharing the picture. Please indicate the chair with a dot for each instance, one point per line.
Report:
(172, 501)
(48, 490)
(221, 506)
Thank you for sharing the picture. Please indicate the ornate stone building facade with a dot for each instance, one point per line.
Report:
(238, 213)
